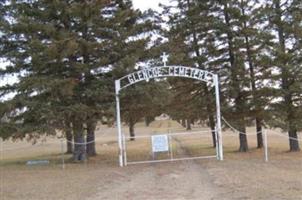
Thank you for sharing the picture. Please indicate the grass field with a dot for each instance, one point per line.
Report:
(239, 176)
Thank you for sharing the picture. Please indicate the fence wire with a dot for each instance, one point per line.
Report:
(183, 144)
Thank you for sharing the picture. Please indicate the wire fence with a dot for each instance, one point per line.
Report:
(275, 143)
(52, 152)
(182, 145)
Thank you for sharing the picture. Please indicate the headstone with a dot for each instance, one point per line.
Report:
(37, 162)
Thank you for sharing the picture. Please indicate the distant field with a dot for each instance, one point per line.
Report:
(239, 176)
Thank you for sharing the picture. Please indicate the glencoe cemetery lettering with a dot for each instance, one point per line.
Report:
(166, 71)
(157, 72)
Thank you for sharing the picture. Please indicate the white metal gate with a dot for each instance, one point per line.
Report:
(179, 146)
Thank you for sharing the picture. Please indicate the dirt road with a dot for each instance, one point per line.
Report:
(174, 180)
(181, 180)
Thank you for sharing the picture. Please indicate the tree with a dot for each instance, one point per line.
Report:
(250, 33)
(67, 54)
(68, 135)
(188, 32)
(145, 99)
(285, 20)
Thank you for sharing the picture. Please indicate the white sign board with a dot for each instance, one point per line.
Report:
(160, 143)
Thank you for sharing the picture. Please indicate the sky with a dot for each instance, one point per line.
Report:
(146, 4)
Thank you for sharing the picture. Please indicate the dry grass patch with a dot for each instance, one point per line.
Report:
(239, 176)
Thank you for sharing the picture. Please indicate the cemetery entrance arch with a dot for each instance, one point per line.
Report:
(160, 72)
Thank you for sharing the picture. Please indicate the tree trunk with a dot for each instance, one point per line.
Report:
(236, 84)
(148, 120)
(188, 124)
(259, 133)
(293, 140)
(243, 147)
(212, 126)
(243, 143)
(131, 130)
(285, 83)
(183, 123)
(69, 143)
(90, 139)
(79, 153)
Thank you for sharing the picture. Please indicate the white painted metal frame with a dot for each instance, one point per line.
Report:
(167, 71)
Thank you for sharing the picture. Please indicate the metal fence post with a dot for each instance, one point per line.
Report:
(265, 146)
(1, 173)
(62, 152)
(171, 147)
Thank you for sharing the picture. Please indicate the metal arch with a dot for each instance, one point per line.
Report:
(166, 71)
(147, 74)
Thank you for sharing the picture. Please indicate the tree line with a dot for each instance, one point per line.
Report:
(67, 54)
(254, 46)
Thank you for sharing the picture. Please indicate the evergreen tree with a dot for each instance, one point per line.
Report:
(237, 79)
(143, 100)
(67, 54)
(223, 37)
(285, 25)
(248, 32)
(188, 32)
(256, 40)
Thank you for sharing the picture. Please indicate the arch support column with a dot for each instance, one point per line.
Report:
(218, 119)
(118, 122)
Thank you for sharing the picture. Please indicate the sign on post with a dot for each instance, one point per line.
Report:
(160, 143)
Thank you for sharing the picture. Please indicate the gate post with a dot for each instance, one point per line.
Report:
(118, 121)
(218, 118)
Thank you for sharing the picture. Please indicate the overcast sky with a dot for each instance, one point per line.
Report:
(146, 4)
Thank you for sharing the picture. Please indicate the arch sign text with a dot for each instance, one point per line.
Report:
(166, 71)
